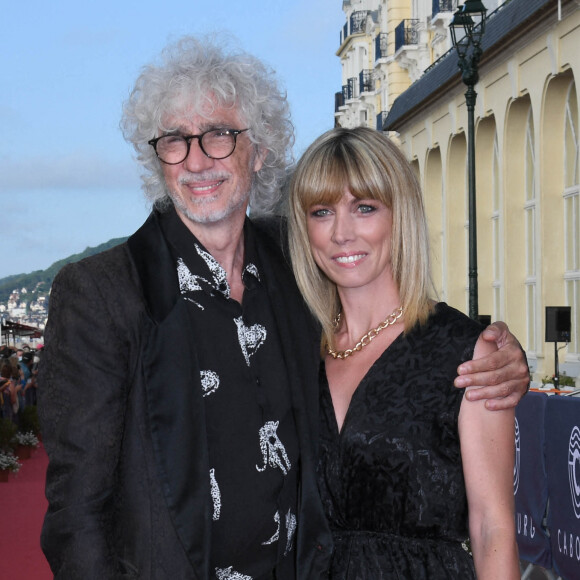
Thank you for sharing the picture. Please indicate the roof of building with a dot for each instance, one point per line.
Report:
(17, 329)
(509, 21)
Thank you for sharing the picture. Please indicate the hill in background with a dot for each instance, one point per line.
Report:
(39, 282)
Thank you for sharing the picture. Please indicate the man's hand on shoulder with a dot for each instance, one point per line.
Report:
(503, 375)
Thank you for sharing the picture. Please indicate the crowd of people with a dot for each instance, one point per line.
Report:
(18, 372)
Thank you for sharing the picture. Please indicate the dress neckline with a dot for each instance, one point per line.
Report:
(325, 384)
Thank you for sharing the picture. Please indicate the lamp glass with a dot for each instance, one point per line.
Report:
(475, 10)
(460, 28)
(473, 7)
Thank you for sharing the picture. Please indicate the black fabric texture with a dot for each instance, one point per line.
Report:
(391, 481)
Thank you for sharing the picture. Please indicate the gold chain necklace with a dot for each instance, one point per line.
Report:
(366, 339)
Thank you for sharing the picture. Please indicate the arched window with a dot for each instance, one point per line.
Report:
(530, 209)
(572, 215)
(496, 221)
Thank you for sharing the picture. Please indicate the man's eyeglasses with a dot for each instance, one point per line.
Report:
(216, 144)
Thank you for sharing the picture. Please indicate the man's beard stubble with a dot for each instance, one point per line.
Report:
(208, 217)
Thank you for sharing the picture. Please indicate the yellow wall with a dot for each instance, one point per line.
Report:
(532, 77)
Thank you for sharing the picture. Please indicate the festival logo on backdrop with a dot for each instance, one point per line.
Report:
(517, 460)
(574, 469)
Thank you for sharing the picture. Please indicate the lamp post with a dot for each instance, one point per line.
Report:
(470, 20)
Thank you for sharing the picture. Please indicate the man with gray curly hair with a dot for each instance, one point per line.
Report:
(179, 384)
(199, 79)
(179, 365)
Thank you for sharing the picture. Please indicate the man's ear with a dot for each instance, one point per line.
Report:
(260, 157)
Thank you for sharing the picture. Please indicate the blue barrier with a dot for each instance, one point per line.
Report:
(547, 482)
(531, 482)
(562, 429)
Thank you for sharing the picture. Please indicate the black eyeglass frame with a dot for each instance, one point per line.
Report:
(188, 139)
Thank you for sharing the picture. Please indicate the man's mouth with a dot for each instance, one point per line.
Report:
(204, 188)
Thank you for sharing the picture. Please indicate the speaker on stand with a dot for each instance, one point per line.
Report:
(558, 328)
(484, 319)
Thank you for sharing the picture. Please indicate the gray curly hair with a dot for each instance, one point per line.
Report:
(194, 73)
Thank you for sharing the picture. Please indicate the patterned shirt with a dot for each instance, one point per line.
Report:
(251, 434)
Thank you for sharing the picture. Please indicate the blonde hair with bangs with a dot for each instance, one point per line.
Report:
(370, 166)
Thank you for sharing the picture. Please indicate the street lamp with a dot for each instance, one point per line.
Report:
(467, 28)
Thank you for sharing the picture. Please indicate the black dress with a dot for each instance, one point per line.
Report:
(391, 481)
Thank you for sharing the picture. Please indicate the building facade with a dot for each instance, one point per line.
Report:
(527, 158)
(527, 149)
(386, 45)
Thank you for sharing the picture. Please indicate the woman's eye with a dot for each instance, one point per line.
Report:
(364, 208)
(321, 212)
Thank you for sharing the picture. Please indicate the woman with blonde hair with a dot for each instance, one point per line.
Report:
(409, 469)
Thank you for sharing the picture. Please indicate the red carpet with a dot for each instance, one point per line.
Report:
(22, 508)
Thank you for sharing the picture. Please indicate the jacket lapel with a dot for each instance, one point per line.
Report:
(173, 391)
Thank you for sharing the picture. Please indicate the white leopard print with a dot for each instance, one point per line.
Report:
(273, 452)
(210, 382)
(276, 535)
(220, 277)
(229, 574)
(251, 338)
(216, 495)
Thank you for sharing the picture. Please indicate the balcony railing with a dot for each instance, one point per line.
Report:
(349, 90)
(406, 33)
(355, 25)
(366, 81)
(357, 21)
(443, 6)
(352, 88)
(381, 118)
(381, 45)
(338, 100)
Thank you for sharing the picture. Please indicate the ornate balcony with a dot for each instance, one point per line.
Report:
(366, 81)
(381, 46)
(349, 90)
(381, 117)
(406, 33)
(443, 6)
(355, 25)
(338, 100)
(357, 21)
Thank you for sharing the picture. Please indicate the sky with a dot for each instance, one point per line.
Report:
(68, 180)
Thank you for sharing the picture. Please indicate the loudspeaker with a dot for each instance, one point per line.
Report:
(558, 323)
(484, 319)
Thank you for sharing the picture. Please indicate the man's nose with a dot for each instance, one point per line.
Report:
(196, 159)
